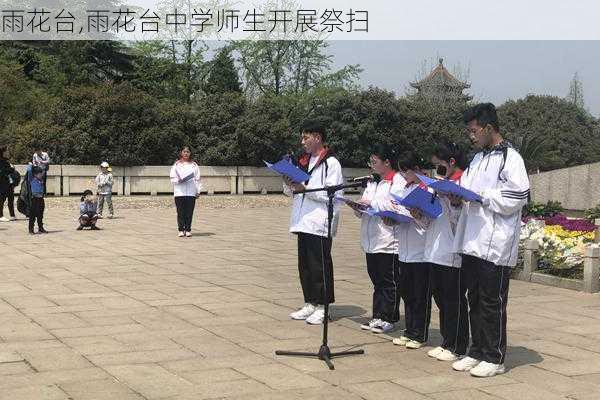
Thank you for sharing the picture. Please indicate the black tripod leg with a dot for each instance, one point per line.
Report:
(295, 353)
(347, 353)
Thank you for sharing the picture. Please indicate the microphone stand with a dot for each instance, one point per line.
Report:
(324, 352)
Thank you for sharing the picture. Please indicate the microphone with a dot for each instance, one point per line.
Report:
(365, 178)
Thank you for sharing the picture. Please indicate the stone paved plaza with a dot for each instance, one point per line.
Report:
(133, 312)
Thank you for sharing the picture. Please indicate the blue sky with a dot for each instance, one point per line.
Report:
(499, 70)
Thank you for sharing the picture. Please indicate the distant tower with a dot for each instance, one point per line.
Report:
(441, 85)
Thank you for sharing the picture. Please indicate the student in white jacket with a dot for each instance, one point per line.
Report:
(448, 289)
(414, 271)
(309, 222)
(185, 176)
(487, 236)
(379, 242)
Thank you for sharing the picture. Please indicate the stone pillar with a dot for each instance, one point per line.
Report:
(530, 257)
(66, 186)
(57, 185)
(240, 186)
(233, 184)
(591, 270)
(127, 185)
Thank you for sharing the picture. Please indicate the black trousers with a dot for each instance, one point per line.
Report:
(416, 292)
(449, 293)
(487, 292)
(315, 268)
(37, 213)
(185, 212)
(384, 271)
(10, 196)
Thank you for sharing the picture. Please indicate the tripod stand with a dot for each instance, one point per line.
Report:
(324, 352)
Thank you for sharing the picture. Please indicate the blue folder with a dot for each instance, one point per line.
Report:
(421, 200)
(187, 178)
(389, 214)
(446, 186)
(286, 168)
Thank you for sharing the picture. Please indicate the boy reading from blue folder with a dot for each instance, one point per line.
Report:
(309, 221)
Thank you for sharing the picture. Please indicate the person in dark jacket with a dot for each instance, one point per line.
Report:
(7, 185)
(35, 176)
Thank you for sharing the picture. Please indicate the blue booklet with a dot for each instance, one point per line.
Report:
(446, 186)
(187, 178)
(421, 200)
(286, 168)
(389, 214)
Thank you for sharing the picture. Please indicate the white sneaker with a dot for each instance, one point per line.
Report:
(413, 344)
(4, 219)
(446, 355)
(181, 234)
(317, 317)
(13, 218)
(382, 327)
(100, 216)
(465, 364)
(369, 325)
(400, 341)
(433, 353)
(188, 234)
(487, 370)
(111, 216)
(304, 312)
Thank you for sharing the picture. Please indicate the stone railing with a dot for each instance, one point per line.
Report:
(591, 268)
(66, 180)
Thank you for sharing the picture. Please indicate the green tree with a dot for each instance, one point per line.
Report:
(223, 75)
(570, 133)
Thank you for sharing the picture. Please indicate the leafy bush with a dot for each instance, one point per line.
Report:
(549, 209)
(593, 213)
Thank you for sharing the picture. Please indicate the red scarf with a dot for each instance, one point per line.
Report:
(304, 159)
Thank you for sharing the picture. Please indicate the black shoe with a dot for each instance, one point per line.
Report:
(80, 227)
(42, 230)
(95, 228)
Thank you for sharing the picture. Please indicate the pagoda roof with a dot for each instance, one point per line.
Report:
(440, 77)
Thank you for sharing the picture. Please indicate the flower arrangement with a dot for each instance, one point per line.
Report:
(562, 240)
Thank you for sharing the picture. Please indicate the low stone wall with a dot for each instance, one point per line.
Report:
(577, 188)
(66, 180)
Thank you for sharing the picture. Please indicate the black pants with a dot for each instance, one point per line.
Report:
(416, 292)
(384, 272)
(185, 212)
(449, 293)
(36, 213)
(487, 292)
(10, 196)
(314, 254)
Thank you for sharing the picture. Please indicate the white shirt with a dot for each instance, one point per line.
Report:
(179, 171)
(490, 230)
(41, 160)
(375, 236)
(411, 235)
(309, 210)
(439, 238)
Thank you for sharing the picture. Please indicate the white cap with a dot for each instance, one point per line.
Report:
(104, 164)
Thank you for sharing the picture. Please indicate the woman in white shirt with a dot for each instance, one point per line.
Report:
(448, 289)
(379, 242)
(185, 176)
(414, 271)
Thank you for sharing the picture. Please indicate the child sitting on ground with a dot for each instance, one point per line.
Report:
(88, 215)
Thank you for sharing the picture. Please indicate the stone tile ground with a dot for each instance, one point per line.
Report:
(133, 312)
